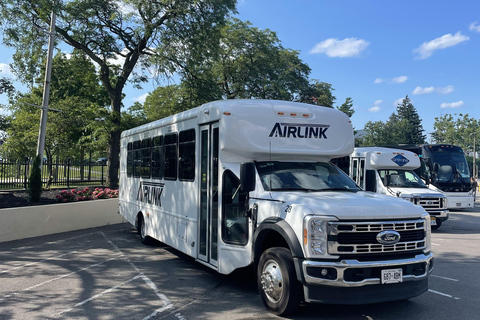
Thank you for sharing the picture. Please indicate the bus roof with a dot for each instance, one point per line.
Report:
(269, 129)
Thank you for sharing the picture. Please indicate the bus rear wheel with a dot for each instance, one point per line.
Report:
(277, 282)
(142, 231)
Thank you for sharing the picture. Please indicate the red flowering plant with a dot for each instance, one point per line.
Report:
(66, 196)
(86, 194)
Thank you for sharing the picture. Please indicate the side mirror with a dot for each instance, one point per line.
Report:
(247, 176)
(435, 167)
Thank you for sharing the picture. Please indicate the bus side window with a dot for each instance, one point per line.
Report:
(171, 156)
(157, 155)
(137, 158)
(186, 155)
(146, 156)
(129, 159)
(234, 222)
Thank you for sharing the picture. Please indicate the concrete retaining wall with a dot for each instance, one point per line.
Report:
(34, 221)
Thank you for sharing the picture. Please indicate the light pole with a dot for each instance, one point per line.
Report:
(46, 90)
(475, 174)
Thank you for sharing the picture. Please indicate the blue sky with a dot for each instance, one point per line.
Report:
(375, 52)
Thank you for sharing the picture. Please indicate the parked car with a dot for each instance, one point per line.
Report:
(102, 161)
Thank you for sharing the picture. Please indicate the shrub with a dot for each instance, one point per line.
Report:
(34, 187)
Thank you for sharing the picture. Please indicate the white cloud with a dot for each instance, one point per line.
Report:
(451, 105)
(378, 80)
(398, 101)
(474, 27)
(426, 90)
(141, 98)
(400, 79)
(446, 90)
(5, 69)
(376, 106)
(334, 48)
(445, 41)
(420, 90)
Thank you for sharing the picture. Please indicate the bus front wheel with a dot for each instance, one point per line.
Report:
(279, 288)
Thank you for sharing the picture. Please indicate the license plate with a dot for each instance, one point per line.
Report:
(392, 276)
(433, 221)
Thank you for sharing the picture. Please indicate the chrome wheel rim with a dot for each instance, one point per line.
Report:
(272, 281)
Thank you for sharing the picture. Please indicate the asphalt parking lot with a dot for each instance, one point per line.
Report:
(106, 273)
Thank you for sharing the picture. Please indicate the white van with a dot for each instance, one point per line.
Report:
(390, 171)
(239, 182)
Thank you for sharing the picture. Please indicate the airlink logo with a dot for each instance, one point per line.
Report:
(150, 192)
(299, 130)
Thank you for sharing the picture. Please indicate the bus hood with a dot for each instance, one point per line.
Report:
(412, 192)
(361, 205)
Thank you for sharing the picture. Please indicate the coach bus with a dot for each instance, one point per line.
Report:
(444, 168)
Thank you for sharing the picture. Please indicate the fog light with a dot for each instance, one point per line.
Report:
(324, 272)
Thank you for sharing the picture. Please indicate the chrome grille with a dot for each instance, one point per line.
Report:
(360, 237)
(429, 203)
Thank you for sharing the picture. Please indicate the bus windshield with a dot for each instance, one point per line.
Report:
(447, 165)
(400, 178)
(303, 176)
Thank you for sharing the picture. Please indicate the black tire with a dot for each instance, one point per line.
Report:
(439, 223)
(277, 283)
(146, 240)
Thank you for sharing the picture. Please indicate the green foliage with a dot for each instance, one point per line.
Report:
(166, 101)
(252, 63)
(347, 107)
(456, 129)
(318, 93)
(34, 187)
(403, 127)
(171, 36)
(6, 86)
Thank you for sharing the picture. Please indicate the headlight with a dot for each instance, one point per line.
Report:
(315, 233)
(408, 198)
(428, 229)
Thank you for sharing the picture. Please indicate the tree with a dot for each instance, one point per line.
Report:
(458, 130)
(318, 93)
(347, 107)
(34, 187)
(172, 35)
(403, 127)
(252, 63)
(166, 101)
(77, 93)
(409, 124)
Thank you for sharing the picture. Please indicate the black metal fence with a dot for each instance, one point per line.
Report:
(14, 175)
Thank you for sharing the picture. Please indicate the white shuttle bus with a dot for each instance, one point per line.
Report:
(239, 182)
(391, 172)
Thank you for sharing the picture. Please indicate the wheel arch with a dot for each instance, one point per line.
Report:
(275, 232)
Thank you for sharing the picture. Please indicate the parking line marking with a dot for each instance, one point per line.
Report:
(166, 303)
(37, 262)
(445, 278)
(55, 279)
(443, 294)
(98, 295)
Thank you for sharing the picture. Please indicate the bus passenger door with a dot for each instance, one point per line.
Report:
(208, 218)
(357, 171)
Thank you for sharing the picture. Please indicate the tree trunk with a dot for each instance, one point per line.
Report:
(113, 164)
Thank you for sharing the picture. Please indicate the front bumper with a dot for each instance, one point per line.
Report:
(462, 202)
(350, 275)
(441, 215)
